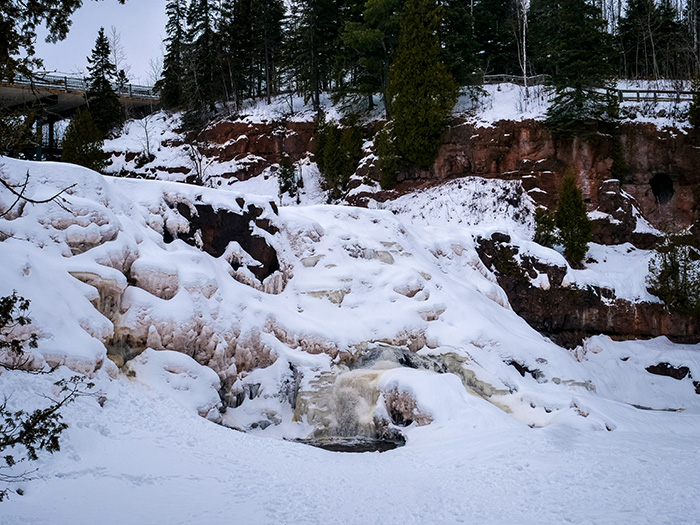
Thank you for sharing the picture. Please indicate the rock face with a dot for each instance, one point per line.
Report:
(568, 314)
(216, 229)
(259, 144)
(658, 172)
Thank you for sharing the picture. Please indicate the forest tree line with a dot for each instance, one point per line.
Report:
(232, 50)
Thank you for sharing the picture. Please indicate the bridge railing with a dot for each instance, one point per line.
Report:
(66, 83)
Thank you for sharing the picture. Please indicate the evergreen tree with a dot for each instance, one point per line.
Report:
(495, 30)
(572, 220)
(312, 45)
(102, 99)
(459, 44)
(423, 90)
(576, 50)
(170, 85)
(24, 435)
(251, 47)
(18, 22)
(82, 142)
(652, 41)
(370, 45)
(201, 84)
(674, 275)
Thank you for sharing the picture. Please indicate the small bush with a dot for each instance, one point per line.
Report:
(82, 143)
(286, 177)
(674, 275)
(572, 220)
(23, 435)
(387, 153)
(338, 150)
(545, 228)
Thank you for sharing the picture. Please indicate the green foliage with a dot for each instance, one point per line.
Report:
(653, 42)
(495, 35)
(545, 228)
(103, 101)
(170, 84)
(581, 112)
(369, 46)
(82, 142)
(423, 90)
(23, 435)
(388, 163)
(674, 275)
(13, 314)
(314, 29)
(574, 225)
(338, 150)
(570, 43)
(694, 109)
(286, 177)
(18, 22)
(16, 131)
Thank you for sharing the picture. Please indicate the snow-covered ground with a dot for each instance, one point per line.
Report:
(588, 436)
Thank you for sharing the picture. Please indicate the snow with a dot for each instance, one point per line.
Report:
(589, 437)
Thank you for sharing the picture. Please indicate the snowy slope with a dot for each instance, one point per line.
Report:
(588, 436)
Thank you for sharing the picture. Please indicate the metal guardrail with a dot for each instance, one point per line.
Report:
(66, 83)
(515, 79)
(654, 95)
(623, 95)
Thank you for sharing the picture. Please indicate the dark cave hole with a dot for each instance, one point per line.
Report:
(662, 187)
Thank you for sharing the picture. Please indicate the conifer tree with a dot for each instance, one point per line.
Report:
(577, 51)
(458, 41)
(495, 30)
(422, 88)
(572, 220)
(370, 45)
(312, 45)
(102, 99)
(82, 142)
(170, 84)
(201, 85)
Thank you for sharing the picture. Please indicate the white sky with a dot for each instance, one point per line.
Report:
(141, 24)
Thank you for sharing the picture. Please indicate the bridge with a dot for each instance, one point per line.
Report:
(56, 97)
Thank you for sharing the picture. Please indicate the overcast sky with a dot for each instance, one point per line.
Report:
(141, 24)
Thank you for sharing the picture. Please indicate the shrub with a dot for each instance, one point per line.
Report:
(24, 434)
(572, 220)
(674, 275)
(338, 150)
(545, 228)
(286, 177)
(82, 143)
(388, 157)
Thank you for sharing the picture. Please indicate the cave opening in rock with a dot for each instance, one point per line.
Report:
(662, 187)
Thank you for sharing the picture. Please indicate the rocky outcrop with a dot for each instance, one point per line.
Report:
(258, 145)
(658, 171)
(213, 230)
(568, 314)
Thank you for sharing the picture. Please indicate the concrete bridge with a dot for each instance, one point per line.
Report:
(56, 97)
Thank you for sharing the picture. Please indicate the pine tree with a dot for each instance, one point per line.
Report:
(312, 45)
(201, 83)
(495, 30)
(18, 22)
(573, 222)
(170, 84)
(82, 142)
(577, 51)
(458, 41)
(423, 90)
(370, 45)
(102, 99)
